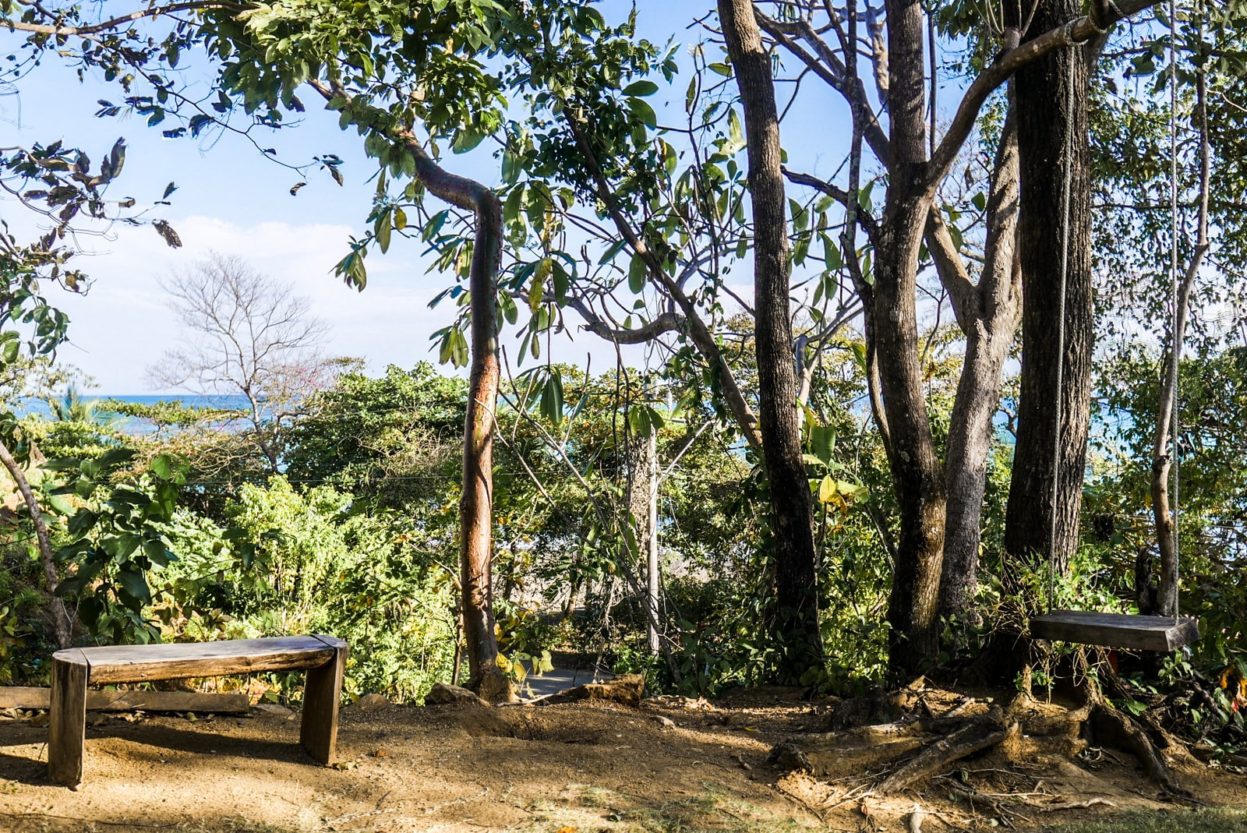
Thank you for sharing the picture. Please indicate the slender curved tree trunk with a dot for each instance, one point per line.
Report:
(795, 621)
(62, 621)
(1162, 460)
(1044, 122)
(476, 502)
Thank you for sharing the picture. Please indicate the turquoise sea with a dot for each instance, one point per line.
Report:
(39, 407)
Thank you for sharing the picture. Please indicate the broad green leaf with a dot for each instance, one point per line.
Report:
(636, 274)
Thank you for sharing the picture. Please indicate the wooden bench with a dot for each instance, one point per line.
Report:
(74, 669)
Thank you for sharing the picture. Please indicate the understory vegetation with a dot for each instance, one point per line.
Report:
(886, 384)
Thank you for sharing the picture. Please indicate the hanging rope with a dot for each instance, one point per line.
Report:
(1063, 279)
(1175, 338)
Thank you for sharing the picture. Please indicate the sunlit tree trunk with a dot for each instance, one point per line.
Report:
(795, 615)
(1045, 124)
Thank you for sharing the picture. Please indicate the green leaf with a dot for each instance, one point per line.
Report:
(831, 254)
(384, 226)
(552, 398)
(641, 88)
(645, 113)
(157, 552)
(162, 466)
(61, 505)
(636, 274)
(536, 289)
(121, 546)
(135, 584)
(562, 282)
(735, 134)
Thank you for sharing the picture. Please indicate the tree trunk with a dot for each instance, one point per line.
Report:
(795, 620)
(990, 328)
(62, 622)
(1044, 123)
(1162, 460)
(916, 472)
(643, 506)
(476, 504)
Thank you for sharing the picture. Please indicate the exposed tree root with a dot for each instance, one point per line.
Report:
(937, 757)
(1113, 728)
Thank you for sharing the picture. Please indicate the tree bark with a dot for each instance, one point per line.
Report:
(476, 507)
(643, 506)
(476, 502)
(62, 622)
(1162, 460)
(1045, 121)
(794, 561)
(916, 472)
(990, 326)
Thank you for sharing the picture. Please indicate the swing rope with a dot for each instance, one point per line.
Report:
(1175, 338)
(1176, 345)
(1066, 165)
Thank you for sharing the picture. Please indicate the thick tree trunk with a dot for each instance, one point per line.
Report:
(916, 472)
(794, 560)
(990, 327)
(1044, 123)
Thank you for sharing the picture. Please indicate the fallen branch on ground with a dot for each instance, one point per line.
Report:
(966, 741)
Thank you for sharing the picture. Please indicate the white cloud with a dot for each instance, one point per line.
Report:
(122, 326)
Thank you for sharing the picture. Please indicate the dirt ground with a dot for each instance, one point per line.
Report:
(672, 765)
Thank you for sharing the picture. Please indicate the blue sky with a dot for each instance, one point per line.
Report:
(233, 201)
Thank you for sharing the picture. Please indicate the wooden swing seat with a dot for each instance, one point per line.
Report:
(1116, 630)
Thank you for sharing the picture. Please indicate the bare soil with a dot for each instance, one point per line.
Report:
(671, 765)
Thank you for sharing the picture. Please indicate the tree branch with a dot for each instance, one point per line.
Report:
(1076, 31)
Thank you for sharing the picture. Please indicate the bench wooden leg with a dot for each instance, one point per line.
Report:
(321, 696)
(67, 720)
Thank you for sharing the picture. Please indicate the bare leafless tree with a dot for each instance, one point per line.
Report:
(245, 333)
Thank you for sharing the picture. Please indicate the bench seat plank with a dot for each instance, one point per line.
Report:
(1116, 630)
(177, 660)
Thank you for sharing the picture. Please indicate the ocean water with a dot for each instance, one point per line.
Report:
(133, 425)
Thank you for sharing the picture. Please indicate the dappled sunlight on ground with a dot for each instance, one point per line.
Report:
(672, 766)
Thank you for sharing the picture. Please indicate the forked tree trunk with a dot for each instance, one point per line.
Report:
(990, 327)
(795, 617)
(917, 476)
(1044, 122)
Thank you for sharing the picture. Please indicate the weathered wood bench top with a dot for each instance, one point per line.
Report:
(1116, 630)
(74, 669)
(177, 660)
